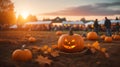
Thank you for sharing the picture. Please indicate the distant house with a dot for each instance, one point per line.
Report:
(58, 21)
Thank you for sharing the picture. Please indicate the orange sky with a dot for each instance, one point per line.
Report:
(71, 9)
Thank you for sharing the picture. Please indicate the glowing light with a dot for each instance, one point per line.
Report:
(73, 40)
(25, 14)
(69, 47)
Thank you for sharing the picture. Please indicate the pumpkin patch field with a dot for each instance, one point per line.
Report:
(61, 49)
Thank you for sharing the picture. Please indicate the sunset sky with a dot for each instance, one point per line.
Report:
(71, 9)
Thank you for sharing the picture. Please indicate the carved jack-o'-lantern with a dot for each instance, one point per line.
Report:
(71, 42)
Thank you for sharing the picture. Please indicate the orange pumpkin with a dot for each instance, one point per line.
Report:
(103, 36)
(70, 42)
(108, 39)
(116, 37)
(32, 39)
(22, 54)
(92, 36)
(59, 33)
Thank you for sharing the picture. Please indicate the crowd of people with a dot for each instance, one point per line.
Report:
(107, 26)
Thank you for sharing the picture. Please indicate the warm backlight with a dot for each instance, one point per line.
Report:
(24, 14)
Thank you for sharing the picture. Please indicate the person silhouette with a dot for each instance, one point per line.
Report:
(96, 25)
(107, 25)
(117, 27)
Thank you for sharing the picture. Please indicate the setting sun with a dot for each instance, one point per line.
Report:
(24, 14)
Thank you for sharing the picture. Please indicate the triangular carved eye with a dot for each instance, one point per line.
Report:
(66, 40)
(73, 40)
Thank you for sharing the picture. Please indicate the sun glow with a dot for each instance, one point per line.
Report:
(25, 14)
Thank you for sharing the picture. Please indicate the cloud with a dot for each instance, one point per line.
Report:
(108, 4)
(90, 10)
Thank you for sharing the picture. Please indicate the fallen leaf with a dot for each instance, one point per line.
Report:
(54, 53)
(49, 50)
(54, 46)
(36, 47)
(93, 50)
(45, 52)
(98, 62)
(43, 60)
(107, 55)
(88, 46)
(96, 45)
(103, 50)
(44, 48)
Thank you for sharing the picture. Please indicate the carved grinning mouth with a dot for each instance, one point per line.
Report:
(69, 47)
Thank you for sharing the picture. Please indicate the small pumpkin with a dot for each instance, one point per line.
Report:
(22, 54)
(70, 42)
(116, 37)
(102, 36)
(28, 35)
(59, 33)
(32, 39)
(92, 36)
(108, 39)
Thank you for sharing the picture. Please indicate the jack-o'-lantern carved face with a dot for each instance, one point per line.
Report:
(70, 43)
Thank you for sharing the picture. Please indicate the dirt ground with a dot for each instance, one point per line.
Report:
(12, 40)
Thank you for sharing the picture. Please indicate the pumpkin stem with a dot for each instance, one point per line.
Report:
(71, 31)
(23, 47)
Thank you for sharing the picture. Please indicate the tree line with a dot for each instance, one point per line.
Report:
(8, 15)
